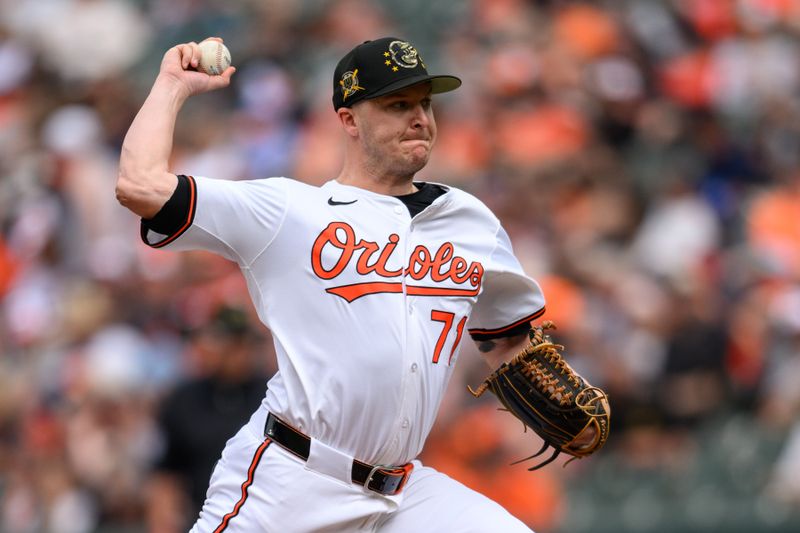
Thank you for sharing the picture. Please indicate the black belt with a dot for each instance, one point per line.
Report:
(381, 479)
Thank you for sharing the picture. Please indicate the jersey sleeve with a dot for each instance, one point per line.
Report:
(236, 219)
(510, 299)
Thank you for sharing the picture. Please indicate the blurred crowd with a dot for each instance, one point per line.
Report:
(644, 156)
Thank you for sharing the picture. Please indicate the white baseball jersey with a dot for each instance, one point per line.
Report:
(367, 305)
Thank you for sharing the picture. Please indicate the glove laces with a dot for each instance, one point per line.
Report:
(543, 364)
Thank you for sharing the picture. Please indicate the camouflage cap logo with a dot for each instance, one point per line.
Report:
(349, 83)
(404, 55)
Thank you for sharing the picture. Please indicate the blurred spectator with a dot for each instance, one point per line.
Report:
(93, 38)
(200, 414)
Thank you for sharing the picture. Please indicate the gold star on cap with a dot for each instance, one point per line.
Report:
(386, 54)
(388, 62)
(394, 69)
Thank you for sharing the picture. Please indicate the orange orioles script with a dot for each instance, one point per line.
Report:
(442, 266)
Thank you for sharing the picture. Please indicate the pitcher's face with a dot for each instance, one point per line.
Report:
(397, 131)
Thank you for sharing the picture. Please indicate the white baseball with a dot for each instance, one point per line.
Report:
(214, 57)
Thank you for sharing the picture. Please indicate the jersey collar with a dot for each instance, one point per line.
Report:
(350, 192)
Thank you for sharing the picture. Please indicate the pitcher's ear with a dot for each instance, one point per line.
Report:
(348, 120)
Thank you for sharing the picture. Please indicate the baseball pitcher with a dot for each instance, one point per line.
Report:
(369, 285)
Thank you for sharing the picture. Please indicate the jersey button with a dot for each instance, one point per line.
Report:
(398, 209)
(405, 423)
(414, 367)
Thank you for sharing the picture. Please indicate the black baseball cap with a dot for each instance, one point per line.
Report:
(379, 67)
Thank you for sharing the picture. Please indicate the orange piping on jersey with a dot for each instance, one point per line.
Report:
(357, 290)
(528, 318)
(245, 486)
(189, 218)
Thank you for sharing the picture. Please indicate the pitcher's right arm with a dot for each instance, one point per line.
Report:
(144, 182)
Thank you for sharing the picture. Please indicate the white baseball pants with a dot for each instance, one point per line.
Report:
(257, 486)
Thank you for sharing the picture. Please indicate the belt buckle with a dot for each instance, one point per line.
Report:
(391, 484)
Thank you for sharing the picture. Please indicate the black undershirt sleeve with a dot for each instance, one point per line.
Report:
(173, 214)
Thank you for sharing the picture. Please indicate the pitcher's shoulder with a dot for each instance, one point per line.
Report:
(289, 186)
(465, 200)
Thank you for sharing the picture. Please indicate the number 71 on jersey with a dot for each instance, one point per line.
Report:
(447, 320)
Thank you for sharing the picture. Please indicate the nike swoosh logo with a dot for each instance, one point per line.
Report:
(331, 201)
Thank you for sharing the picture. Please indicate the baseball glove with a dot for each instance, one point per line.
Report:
(547, 395)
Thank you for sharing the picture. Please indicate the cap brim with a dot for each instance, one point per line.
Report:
(439, 84)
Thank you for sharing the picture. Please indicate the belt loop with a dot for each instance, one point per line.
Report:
(381, 479)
